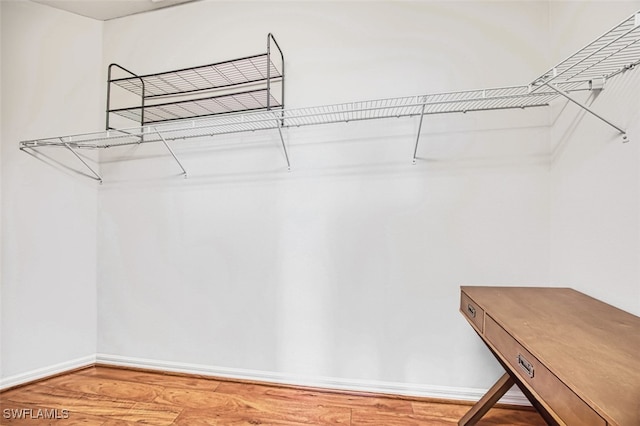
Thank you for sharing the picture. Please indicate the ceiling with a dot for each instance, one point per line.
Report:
(105, 10)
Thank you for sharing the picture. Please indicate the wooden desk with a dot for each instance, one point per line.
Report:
(577, 359)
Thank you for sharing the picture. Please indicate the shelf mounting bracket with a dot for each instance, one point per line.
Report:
(589, 110)
(97, 176)
(284, 148)
(184, 172)
(415, 149)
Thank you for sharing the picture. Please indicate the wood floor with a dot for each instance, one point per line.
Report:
(114, 397)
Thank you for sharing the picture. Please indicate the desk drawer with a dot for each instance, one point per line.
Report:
(472, 311)
(564, 403)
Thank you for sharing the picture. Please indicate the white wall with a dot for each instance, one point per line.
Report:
(1, 221)
(595, 192)
(349, 266)
(51, 65)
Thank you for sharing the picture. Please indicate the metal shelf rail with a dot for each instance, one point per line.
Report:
(615, 52)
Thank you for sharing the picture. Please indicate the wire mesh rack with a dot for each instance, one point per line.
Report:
(466, 101)
(246, 70)
(615, 51)
(238, 85)
(239, 101)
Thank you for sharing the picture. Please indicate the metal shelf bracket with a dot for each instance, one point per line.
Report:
(589, 110)
(184, 172)
(415, 149)
(97, 176)
(279, 120)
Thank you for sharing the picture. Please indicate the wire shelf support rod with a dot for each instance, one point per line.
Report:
(589, 110)
(279, 120)
(97, 176)
(184, 172)
(415, 149)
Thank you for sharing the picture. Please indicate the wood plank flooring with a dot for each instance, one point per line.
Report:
(107, 396)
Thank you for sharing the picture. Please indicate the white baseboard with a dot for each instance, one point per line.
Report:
(44, 372)
(513, 397)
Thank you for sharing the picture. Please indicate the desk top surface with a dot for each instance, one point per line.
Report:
(593, 347)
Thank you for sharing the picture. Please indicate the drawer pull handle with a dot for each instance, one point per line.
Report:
(471, 310)
(525, 365)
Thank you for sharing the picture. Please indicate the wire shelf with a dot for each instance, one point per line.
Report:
(241, 84)
(222, 104)
(247, 70)
(615, 51)
(466, 101)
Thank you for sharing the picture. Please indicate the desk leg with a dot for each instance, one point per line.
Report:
(492, 396)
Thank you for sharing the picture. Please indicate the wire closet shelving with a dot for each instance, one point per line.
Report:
(615, 52)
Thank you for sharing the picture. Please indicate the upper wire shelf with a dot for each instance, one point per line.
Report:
(250, 69)
(614, 52)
